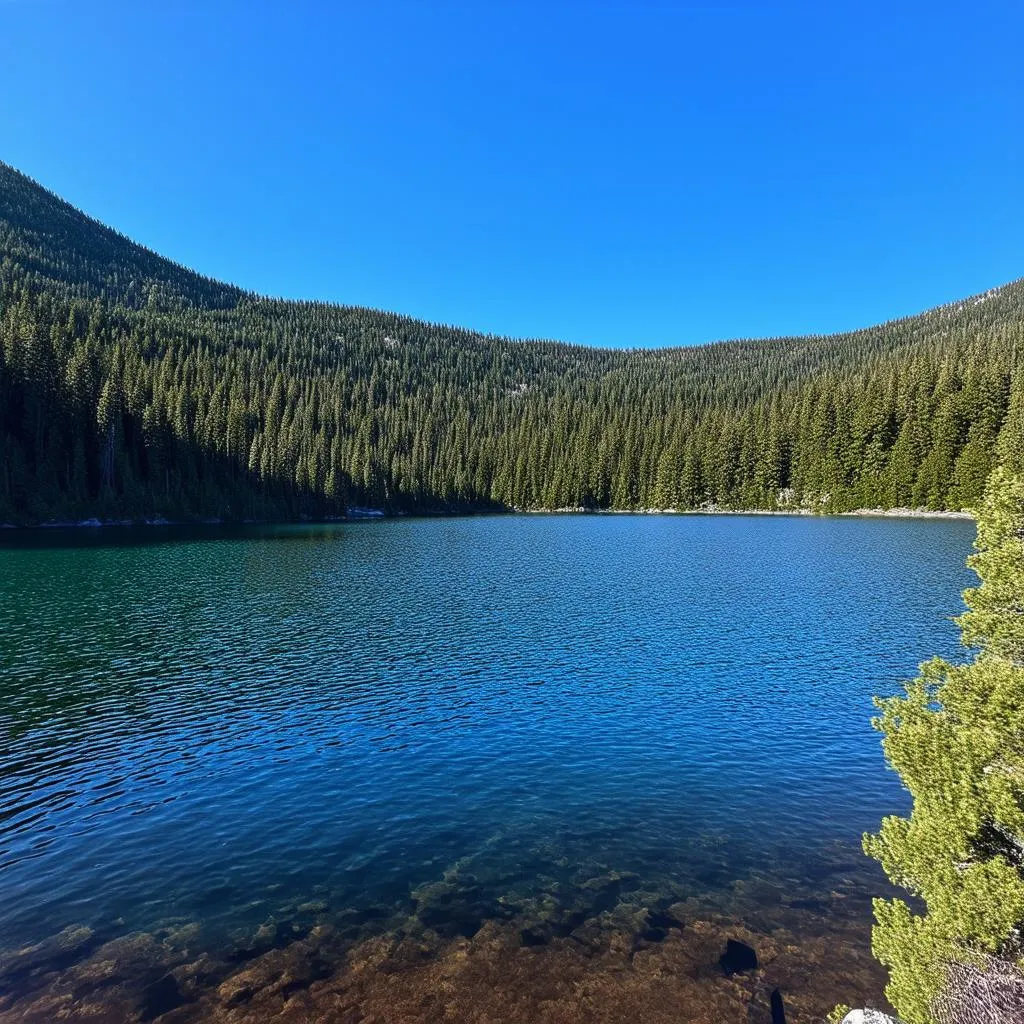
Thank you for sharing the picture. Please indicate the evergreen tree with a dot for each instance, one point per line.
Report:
(957, 741)
(131, 386)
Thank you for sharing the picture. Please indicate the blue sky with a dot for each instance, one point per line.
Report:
(613, 174)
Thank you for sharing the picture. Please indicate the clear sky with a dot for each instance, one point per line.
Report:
(614, 174)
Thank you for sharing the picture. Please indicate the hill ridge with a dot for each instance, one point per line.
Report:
(131, 385)
(7, 171)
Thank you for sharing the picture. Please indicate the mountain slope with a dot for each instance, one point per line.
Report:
(131, 386)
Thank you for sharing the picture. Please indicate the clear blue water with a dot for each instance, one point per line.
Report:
(215, 724)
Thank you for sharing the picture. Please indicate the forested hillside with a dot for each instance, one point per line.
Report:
(130, 386)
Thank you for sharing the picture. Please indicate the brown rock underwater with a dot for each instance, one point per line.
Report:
(604, 951)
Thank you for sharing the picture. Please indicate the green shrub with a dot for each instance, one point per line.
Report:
(956, 738)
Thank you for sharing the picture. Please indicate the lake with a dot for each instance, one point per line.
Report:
(498, 768)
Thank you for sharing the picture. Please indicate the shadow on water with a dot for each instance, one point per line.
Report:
(118, 536)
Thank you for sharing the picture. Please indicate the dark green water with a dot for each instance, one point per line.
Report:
(225, 727)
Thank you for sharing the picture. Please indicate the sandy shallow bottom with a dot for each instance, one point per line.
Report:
(603, 948)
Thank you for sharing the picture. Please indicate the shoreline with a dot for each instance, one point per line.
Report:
(363, 514)
(861, 513)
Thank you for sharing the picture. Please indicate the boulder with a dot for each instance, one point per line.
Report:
(738, 957)
(868, 1017)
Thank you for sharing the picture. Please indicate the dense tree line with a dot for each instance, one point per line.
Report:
(131, 386)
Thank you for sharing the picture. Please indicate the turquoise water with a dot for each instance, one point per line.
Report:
(229, 726)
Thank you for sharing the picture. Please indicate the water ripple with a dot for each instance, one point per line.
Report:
(351, 710)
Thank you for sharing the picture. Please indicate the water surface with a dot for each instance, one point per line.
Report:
(554, 730)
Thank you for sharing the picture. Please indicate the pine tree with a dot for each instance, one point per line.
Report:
(956, 740)
(130, 385)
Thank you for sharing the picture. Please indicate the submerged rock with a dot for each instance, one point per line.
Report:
(70, 942)
(590, 948)
(160, 997)
(738, 957)
(56, 953)
(663, 920)
(533, 937)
